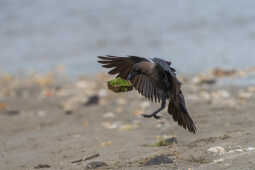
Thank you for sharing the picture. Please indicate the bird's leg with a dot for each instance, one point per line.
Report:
(154, 114)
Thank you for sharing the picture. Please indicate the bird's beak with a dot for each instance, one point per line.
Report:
(131, 75)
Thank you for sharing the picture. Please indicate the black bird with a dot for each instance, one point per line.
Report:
(156, 80)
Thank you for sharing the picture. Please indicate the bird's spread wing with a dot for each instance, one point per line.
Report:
(121, 65)
(147, 87)
(177, 109)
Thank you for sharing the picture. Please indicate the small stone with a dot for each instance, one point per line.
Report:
(109, 125)
(128, 127)
(109, 115)
(221, 94)
(93, 100)
(238, 150)
(119, 109)
(165, 141)
(219, 72)
(218, 160)
(106, 143)
(102, 93)
(3, 106)
(95, 164)
(204, 79)
(244, 95)
(40, 166)
(41, 113)
(158, 160)
(217, 149)
(205, 95)
(139, 112)
(12, 112)
(82, 84)
(251, 89)
(145, 104)
(250, 149)
(121, 101)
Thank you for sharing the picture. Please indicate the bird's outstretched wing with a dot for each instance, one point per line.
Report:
(147, 87)
(122, 66)
(177, 109)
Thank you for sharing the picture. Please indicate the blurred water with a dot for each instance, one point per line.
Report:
(196, 35)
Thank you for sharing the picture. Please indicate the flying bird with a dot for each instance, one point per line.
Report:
(155, 79)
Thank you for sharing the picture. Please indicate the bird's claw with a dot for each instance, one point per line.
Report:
(151, 115)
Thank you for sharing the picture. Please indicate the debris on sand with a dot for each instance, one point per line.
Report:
(204, 79)
(158, 160)
(40, 166)
(106, 143)
(128, 126)
(96, 164)
(93, 100)
(109, 125)
(165, 141)
(11, 112)
(219, 72)
(244, 95)
(102, 93)
(3, 106)
(86, 158)
(217, 149)
(109, 115)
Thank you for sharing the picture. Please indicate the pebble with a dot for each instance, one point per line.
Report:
(217, 149)
(128, 127)
(244, 95)
(121, 101)
(145, 104)
(96, 164)
(82, 84)
(41, 113)
(250, 149)
(251, 89)
(119, 109)
(205, 95)
(221, 94)
(109, 115)
(158, 160)
(102, 93)
(106, 143)
(113, 125)
(92, 100)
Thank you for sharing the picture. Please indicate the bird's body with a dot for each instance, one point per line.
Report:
(156, 80)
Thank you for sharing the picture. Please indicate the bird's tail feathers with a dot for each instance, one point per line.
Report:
(180, 114)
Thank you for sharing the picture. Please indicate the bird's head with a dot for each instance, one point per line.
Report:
(169, 62)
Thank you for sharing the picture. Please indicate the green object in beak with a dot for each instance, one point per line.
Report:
(119, 85)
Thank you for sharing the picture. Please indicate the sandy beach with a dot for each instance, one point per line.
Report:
(48, 121)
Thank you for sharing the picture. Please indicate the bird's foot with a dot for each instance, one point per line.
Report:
(151, 115)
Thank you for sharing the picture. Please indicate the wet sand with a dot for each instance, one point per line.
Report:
(46, 122)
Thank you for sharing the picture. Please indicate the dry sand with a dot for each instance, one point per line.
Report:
(45, 123)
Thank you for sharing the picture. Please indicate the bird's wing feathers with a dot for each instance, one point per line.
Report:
(177, 109)
(146, 86)
(121, 65)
